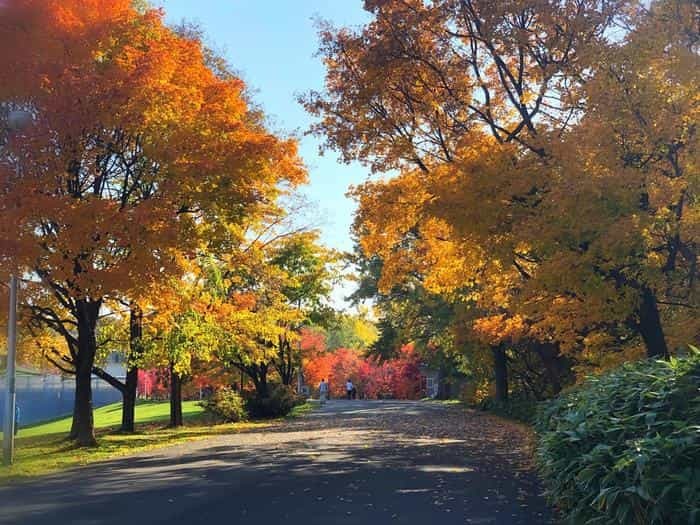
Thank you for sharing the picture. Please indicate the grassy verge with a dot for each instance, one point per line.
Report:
(446, 402)
(301, 410)
(519, 409)
(43, 449)
(111, 416)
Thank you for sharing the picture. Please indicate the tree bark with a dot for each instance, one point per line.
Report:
(285, 361)
(175, 398)
(82, 429)
(258, 374)
(650, 326)
(261, 383)
(132, 372)
(551, 361)
(500, 369)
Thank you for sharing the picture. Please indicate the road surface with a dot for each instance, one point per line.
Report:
(351, 462)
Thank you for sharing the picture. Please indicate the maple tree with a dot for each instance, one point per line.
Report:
(134, 142)
(308, 268)
(632, 253)
(508, 204)
(177, 337)
(434, 89)
(398, 377)
(259, 294)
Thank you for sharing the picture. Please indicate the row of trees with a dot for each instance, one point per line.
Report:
(544, 220)
(142, 203)
(398, 376)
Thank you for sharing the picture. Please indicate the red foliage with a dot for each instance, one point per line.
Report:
(312, 343)
(153, 384)
(398, 378)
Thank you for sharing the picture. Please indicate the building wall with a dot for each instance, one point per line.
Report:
(430, 382)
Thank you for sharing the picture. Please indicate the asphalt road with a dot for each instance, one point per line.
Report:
(352, 462)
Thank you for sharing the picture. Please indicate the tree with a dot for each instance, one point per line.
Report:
(309, 273)
(434, 89)
(397, 377)
(507, 203)
(411, 86)
(134, 142)
(249, 313)
(633, 252)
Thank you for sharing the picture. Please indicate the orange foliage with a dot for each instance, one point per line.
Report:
(135, 148)
(399, 377)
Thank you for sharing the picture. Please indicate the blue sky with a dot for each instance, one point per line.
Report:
(272, 44)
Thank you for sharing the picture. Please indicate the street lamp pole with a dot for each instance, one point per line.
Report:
(16, 120)
(8, 442)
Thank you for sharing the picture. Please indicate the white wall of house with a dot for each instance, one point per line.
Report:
(430, 382)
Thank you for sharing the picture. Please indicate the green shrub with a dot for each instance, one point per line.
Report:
(624, 448)
(226, 404)
(279, 403)
(520, 408)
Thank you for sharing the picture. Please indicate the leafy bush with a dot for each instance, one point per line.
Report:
(226, 404)
(520, 408)
(624, 448)
(279, 403)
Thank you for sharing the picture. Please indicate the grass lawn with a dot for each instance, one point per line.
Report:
(111, 416)
(301, 410)
(446, 402)
(42, 449)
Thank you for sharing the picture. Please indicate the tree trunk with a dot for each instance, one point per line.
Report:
(82, 430)
(285, 361)
(175, 398)
(129, 402)
(500, 369)
(550, 357)
(650, 326)
(258, 373)
(132, 373)
(261, 385)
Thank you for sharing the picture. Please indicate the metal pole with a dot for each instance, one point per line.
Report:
(300, 381)
(8, 442)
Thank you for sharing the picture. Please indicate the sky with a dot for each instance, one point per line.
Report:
(272, 44)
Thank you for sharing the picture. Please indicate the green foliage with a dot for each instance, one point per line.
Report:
(309, 267)
(110, 417)
(348, 330)
(624, 448)
(227, 405)
(280, 402)
(521, 408)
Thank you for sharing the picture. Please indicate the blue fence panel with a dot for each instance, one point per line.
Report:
(41, 398)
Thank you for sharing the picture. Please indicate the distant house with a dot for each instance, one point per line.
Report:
(115, 366)
(429, 381)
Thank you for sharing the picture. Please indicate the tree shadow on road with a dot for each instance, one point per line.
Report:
(348, 466)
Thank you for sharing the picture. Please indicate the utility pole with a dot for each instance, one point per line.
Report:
(8, 442)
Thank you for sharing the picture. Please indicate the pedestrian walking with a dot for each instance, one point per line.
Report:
(323, 391)
(349, 387)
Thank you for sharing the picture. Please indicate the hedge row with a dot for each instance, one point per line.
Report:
(624, 448)
(228, 405)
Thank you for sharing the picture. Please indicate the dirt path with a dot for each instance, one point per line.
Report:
(352, 462)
